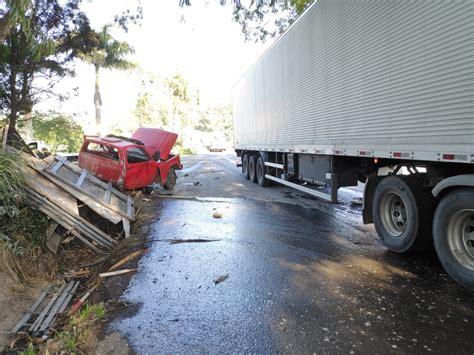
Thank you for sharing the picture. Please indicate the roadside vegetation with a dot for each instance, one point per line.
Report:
(21, 229)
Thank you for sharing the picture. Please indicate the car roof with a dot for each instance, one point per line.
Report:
(110, 141)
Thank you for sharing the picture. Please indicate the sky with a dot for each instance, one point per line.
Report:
(202, 42)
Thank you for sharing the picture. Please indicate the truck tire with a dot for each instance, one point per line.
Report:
(245, 165)
(260, 172)
(170, 180)
(253, 168)
(402, 214)
(453, 233)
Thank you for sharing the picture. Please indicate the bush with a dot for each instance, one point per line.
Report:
(58, 130)
(11, 183)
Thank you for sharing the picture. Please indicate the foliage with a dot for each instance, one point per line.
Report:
(14, 13)
(69, 341)
(81, 327)
(264, 18)
(21, 240)
(92, 312)
(58, 129)
(38, 53)
(30, 350)
(164, 102)
(216, 119)
(11, 184)
(107, 52)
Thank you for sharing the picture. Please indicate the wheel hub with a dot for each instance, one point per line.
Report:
(461, 237)
(394, 214)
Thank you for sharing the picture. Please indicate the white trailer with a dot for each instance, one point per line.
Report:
(355, 86)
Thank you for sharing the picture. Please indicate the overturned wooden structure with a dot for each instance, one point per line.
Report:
(60, 188)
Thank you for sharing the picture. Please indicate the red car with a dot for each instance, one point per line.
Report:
(132, 163)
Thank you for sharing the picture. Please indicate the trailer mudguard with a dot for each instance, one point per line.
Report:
(466, 180)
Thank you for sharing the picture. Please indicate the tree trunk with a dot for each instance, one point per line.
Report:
(5, 26)
(97, 103)
(28, 126)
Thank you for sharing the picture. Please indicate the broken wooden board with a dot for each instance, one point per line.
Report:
(79, 227)
(52, 192)
(91, 201)
(39, 319)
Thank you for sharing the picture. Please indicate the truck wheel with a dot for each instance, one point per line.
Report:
(245, 165)
(453, 232)
(260, 171)
(170, 180)
(252, 168)
(402, 213)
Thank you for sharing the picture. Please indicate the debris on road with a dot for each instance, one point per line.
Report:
(221, 279)
(179, 241)
(217, 215)
(115, 273)
(128, 258)
(357, 201)
(43, 313)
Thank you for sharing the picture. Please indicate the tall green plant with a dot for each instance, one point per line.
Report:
(11, 183)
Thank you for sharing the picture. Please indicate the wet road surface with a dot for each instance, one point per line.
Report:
(283, 272)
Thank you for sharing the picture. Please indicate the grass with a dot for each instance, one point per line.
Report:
(22, 229)
(30, 350)
(11, 183)
(81, 328)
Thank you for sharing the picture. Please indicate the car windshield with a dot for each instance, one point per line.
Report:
(136, 155)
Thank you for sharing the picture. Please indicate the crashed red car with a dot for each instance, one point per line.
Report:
(132, 163)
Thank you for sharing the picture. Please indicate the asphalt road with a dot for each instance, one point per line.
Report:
(283, 272)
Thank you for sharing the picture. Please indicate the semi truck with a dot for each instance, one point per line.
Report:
(380, 92)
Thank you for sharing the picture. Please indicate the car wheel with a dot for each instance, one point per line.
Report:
(170, 180)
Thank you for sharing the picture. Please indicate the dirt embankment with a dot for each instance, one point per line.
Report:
(16, 299)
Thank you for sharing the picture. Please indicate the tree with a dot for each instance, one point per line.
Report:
(166, 103)
(108, 53)
(14, 13)
(264, 18)
(57, 129)
(38, 52)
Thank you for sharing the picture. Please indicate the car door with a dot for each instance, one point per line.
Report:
(141, 169)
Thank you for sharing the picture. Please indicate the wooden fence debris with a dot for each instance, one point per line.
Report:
(39, 319)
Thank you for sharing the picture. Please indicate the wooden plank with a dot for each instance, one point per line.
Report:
(68, 298)
(69, 227)
(60, 162)
(93, 181)
(52, 192)
(75, 220)
(91, 202)
(26, 317)
(45, 311)
(81, 178)
(108, 194)
(57, 305)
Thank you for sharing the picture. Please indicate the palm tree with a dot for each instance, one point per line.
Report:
(107, 54)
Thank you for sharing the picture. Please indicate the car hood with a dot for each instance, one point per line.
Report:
(156, 139)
